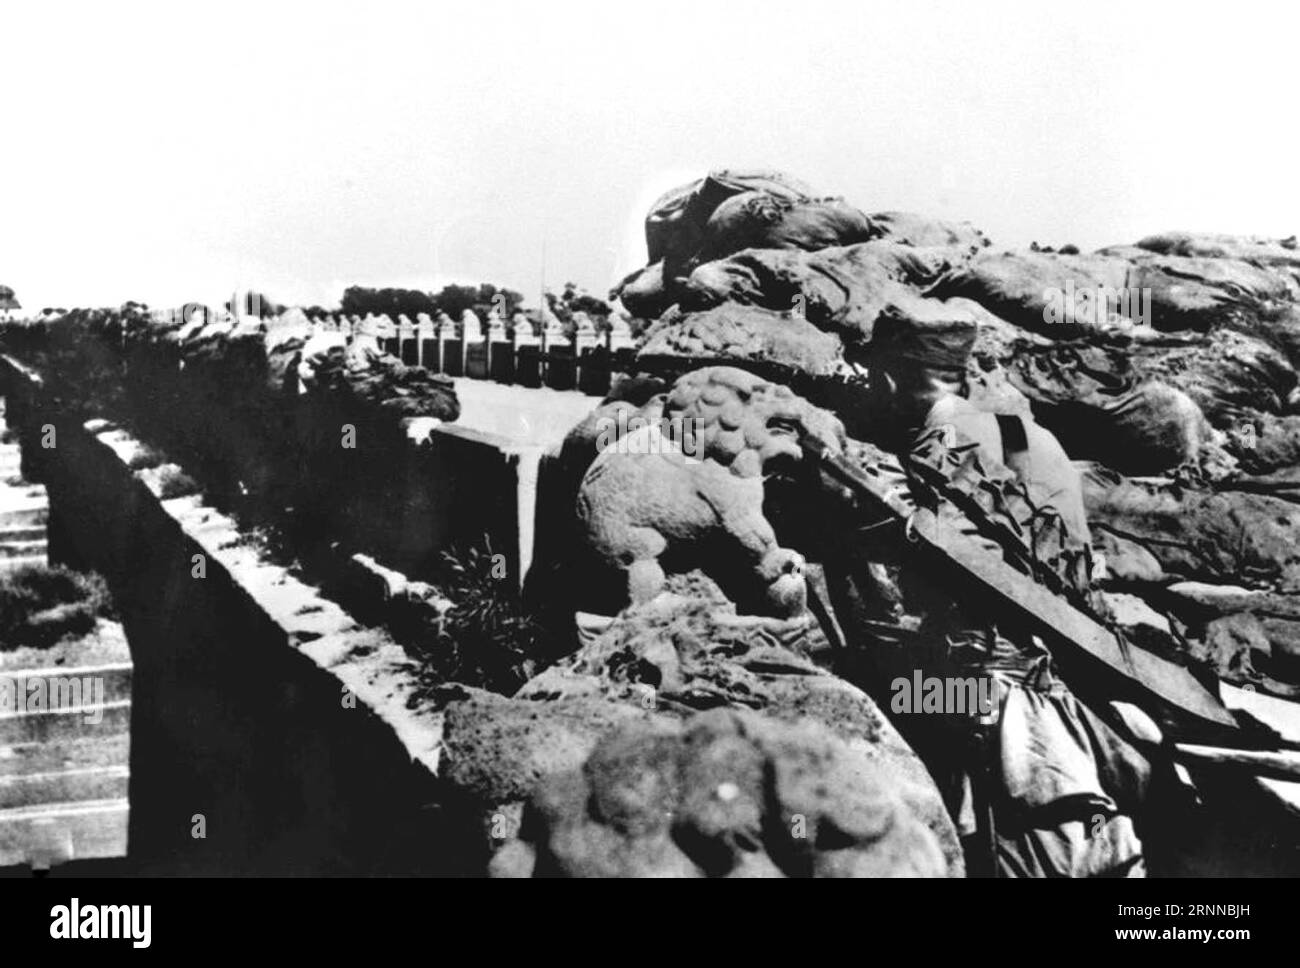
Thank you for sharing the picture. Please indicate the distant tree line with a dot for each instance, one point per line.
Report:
(455, 299)
(452, 300)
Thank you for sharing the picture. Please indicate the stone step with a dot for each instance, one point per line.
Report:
(24, 511)
(22, 532)
(23, 759)
(65, 786)
(24, 549)
(109, 683)
(13, 564)
(55, 833)
(64, 724)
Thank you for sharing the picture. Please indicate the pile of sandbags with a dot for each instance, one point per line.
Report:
(1101, 410)
(841, 289)
(674, 228)
(1118, 350)
(908, 228)
(1172, 360)
(1215, 535)
(1177, 351)
(1238, 277)
(737, 333)
(727, 211)
(741, 236)
(723, 213)
(1281, 255)
(1226, 372)
(1030, 289)
(1054, 294)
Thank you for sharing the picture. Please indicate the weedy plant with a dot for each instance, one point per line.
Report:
(43, 604)
(486, 638)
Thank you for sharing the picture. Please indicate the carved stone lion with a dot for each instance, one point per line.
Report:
(679, 484)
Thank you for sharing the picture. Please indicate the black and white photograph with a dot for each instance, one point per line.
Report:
(637, 441)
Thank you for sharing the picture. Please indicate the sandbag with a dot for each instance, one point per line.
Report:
(1268, 445)
(744, 334)
(1281, 253)
(1200, 293)
(643, 292)
(1223, 372)
(1226, 537)
(675, 230)
(842, 288)
(1018, 286)
(909, 228)
(760, 220)
(370, 378)
(1277, 324)
(1100, 412)
(674, 227)
(1236, 277)
(1057, 295)
(772, 278)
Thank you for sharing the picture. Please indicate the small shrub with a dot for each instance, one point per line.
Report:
(144, 458)
(486, 638)
(42, 604)
(174, 482)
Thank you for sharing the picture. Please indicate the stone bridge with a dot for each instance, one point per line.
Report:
(274, 728)
(270, 732)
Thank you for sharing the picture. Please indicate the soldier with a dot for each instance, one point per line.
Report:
(1047, 785)
(917, 374)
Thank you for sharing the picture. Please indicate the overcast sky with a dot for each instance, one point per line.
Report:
(169, 153)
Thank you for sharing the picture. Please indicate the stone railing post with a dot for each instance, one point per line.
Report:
(425, 346)
(499, 355)
(449, 350)
(554, 345)
(584, 342)
(474, 349)
(385, 332)
(526, 366)
(407, 350)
